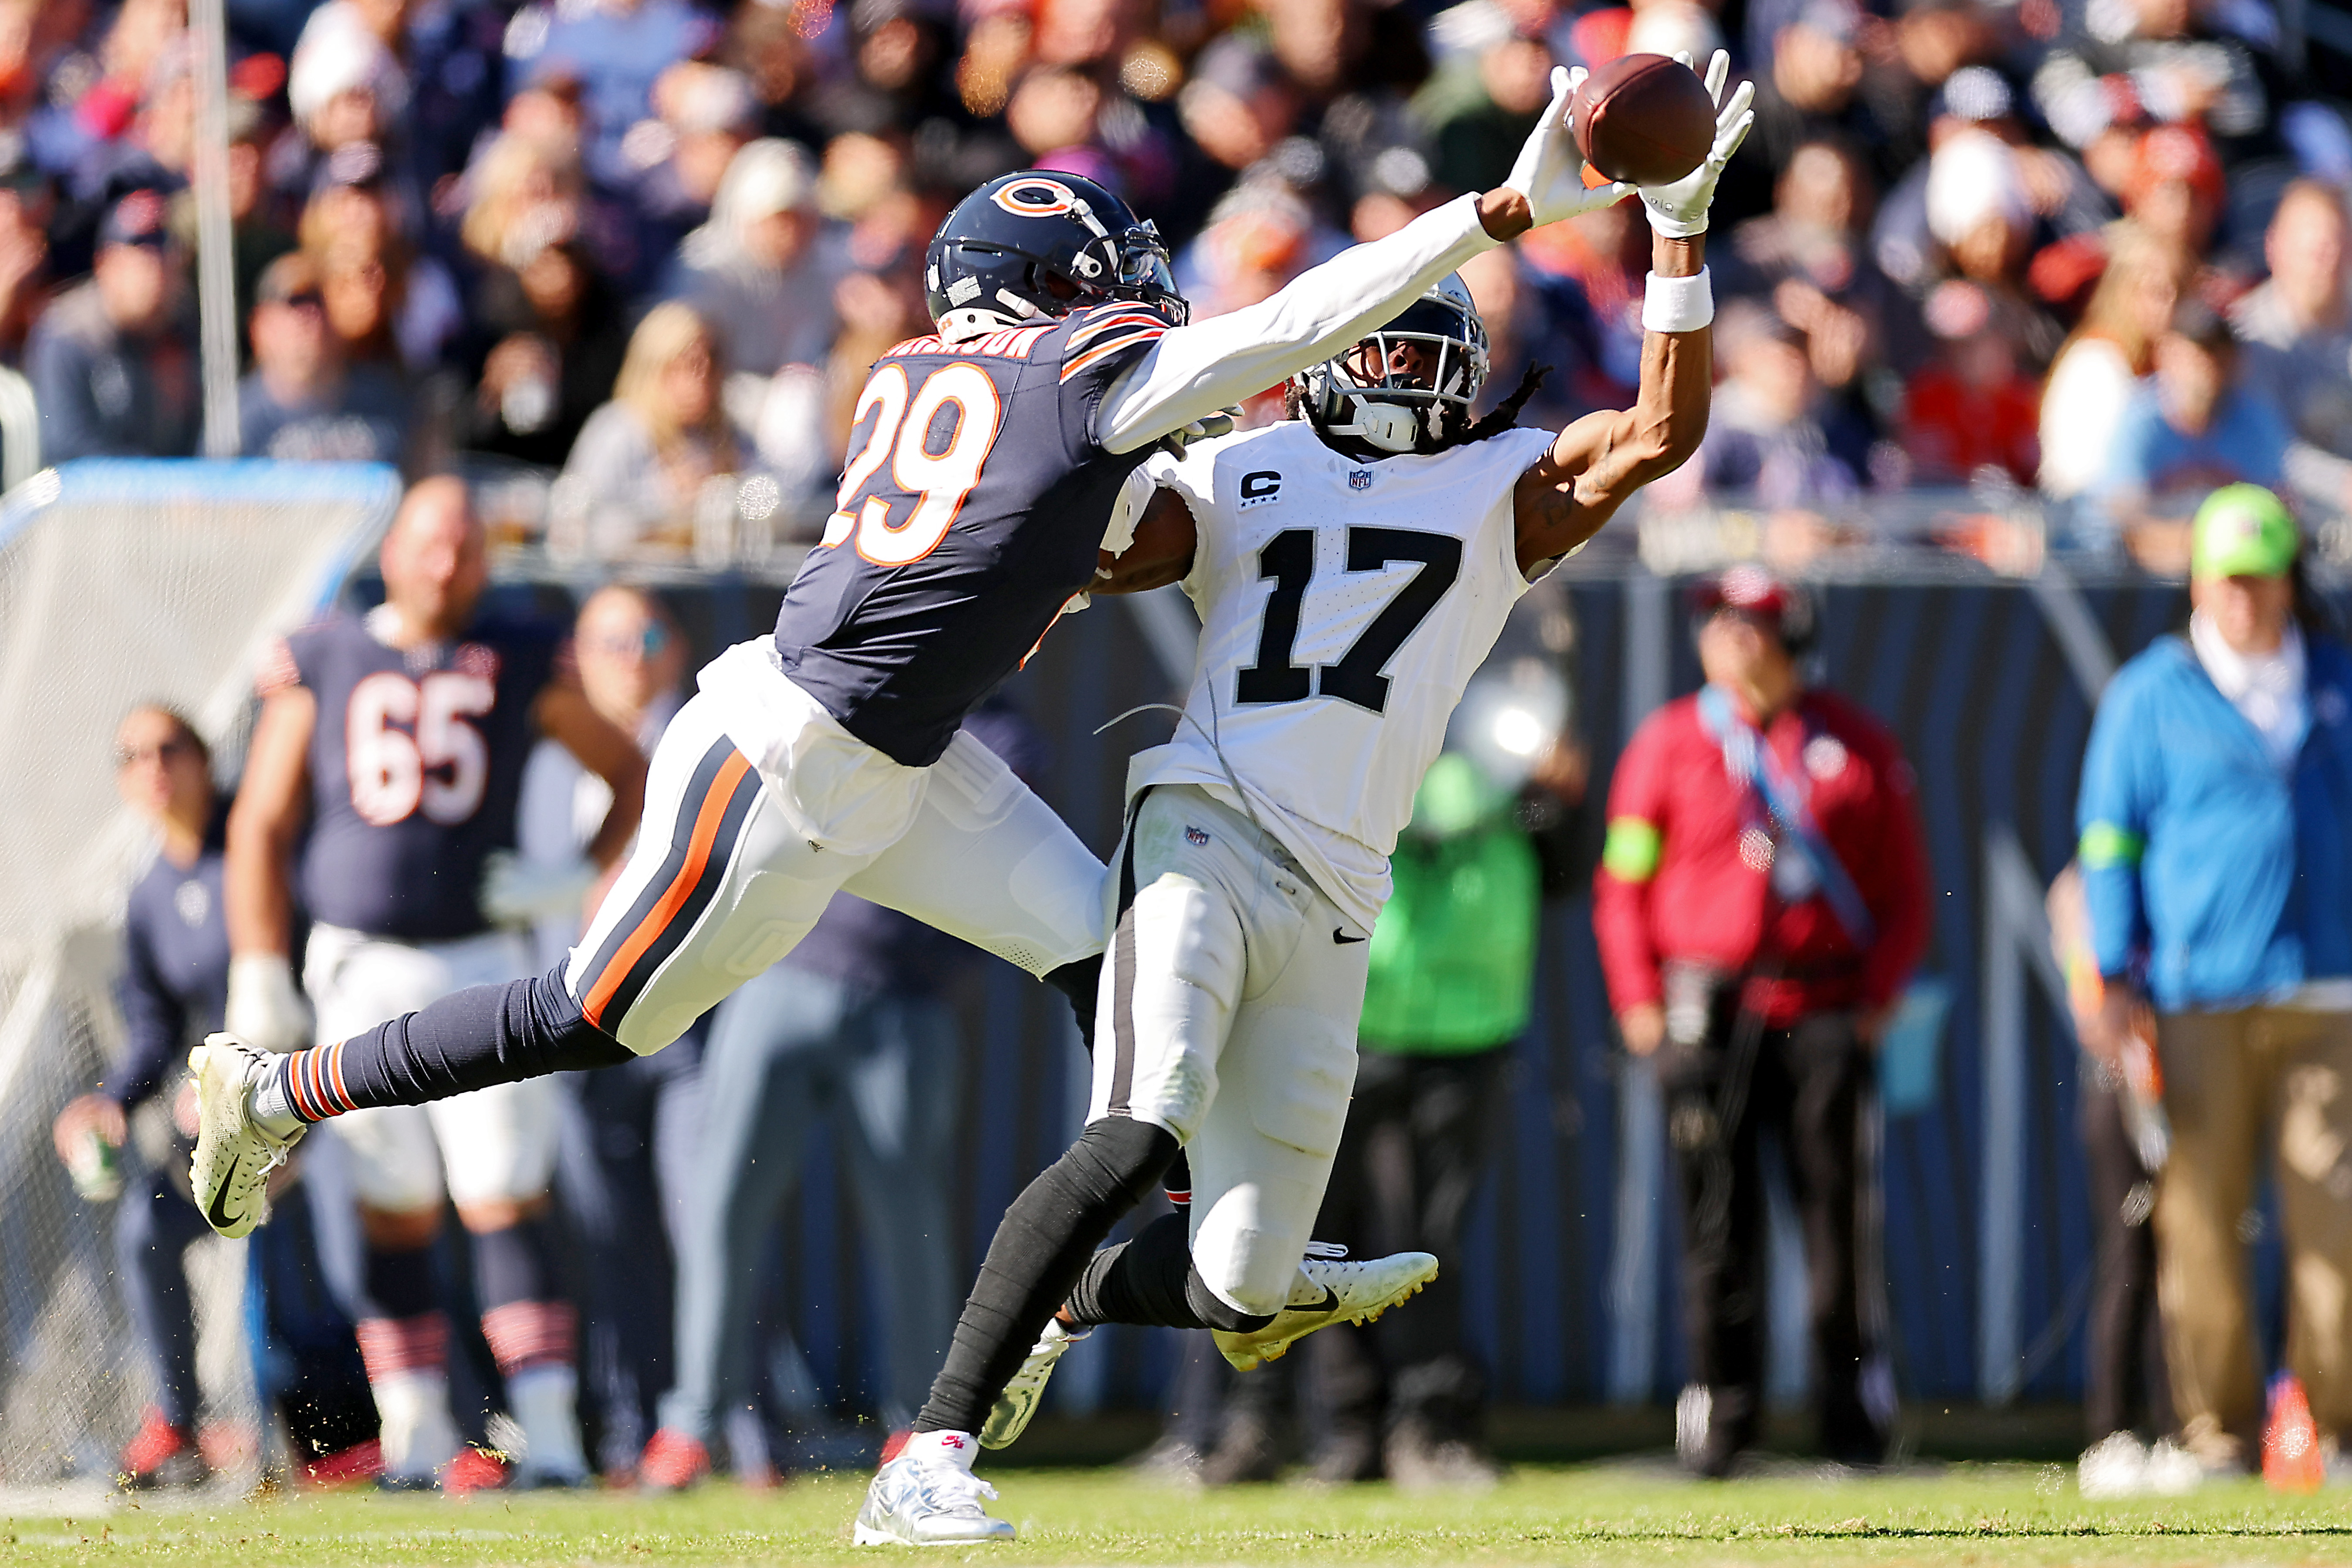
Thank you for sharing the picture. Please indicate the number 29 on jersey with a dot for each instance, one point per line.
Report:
(935, 441)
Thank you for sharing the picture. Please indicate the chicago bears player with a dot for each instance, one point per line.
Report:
(1352, 568)
(985, 464)
(400, 738)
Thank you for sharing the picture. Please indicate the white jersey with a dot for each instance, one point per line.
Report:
(1344, 606)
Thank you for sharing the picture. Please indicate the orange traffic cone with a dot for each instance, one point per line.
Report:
(2291, 1458)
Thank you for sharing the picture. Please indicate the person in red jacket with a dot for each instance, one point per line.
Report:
(1762, 899)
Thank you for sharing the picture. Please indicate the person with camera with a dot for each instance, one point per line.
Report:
(1761, 900)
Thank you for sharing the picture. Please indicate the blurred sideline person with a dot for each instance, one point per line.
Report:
(2216, 818)
(630, 1133)
(300, 402)
(2125, 1389)
(400, 737)
(1761, 900)
(2296, 333)
(175, 973)
(112, 372)
(173, 986)
(853, 1028)
(642, 460)
(2194, 425)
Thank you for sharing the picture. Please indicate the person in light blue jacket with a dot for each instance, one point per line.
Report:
(2216, 820)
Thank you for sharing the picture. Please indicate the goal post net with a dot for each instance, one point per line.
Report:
(121, 583)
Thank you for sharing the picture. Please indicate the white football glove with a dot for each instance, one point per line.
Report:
(1549, 170)
(264, 1009)
(1208, 428)
(517, 892)
(1679, 211)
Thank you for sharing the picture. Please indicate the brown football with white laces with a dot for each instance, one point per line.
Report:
(1643, 119)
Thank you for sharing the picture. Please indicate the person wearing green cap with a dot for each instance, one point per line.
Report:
(2216, 821)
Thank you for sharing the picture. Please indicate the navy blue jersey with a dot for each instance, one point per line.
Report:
(971, 506)
(416, 763)
(174, 981)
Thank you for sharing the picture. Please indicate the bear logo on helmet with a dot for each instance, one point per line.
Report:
(1037, 198)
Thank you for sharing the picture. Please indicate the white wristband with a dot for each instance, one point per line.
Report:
(1677, 304)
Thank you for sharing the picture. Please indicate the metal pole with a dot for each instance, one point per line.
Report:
(215, 261)
(1640, 1116)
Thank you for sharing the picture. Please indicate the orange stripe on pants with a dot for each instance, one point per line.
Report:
(698, 855)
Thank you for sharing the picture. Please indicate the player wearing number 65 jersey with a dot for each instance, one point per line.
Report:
(987, 463)
(400, 738)
(1352, 567)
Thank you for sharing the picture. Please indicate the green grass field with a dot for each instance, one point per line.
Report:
(1599, 1514)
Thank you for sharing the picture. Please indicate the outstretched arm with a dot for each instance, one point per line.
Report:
(1196, 370)
(1605, 457)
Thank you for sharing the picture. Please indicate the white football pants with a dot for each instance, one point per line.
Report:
(1228, 1016)
(760, 807)
(494, 1144)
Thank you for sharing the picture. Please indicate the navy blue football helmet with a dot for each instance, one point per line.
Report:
(1038, 244)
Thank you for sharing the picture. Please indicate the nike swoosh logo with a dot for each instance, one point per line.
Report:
(1343, 938)
(218, 1213)
(1331, 1301)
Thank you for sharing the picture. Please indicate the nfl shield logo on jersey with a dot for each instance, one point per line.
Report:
(1195, 837)
(1360, 480)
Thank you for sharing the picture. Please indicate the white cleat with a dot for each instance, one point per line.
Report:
(1329, 1290)
(1009, 1416)
(233, 1156)
(928, 1496)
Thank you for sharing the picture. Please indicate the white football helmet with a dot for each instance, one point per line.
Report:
(1394, 413)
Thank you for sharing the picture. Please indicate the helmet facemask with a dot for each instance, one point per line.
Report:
(1141, 272)
(1363, 397)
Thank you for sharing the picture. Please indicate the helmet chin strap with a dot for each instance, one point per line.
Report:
(1386, 425)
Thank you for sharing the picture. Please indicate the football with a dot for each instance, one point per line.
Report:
(1644, 119)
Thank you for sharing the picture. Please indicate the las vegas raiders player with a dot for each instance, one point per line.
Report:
(400, 737)
(1352, 568)
(985, 463)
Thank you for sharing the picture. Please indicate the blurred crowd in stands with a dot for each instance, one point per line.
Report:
(2092, 247)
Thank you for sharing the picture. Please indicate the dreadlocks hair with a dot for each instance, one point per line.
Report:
(1505, 414)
